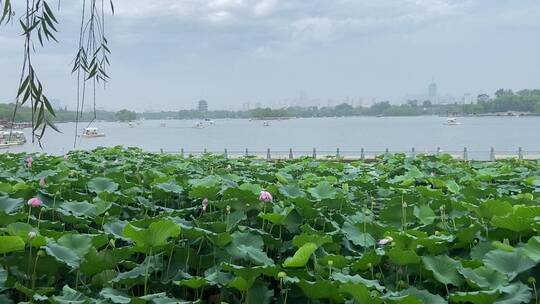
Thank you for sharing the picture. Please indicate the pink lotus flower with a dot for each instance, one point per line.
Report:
(29, 161)
(34, 202)
(42, 182)
(204, 204)
(385, 241)
(265, 197)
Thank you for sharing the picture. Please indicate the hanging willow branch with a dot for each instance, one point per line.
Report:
(39, 22)
(91, 62)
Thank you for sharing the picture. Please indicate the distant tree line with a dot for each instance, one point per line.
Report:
(503, 101)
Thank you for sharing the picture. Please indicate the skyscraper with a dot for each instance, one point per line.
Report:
(432, 93)
(203, 106)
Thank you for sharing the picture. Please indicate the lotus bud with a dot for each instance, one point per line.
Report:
(107, 213)
(42, 182)
(475, 241)
(32, 235)
(34, 202)
(29, 160)
(281, 275)
(66, 156)
(229, 167)
(248, 205)
(330, 263)
(41, 253)
(204, 204)
(228, 208)
(385, 241)
(369, 265)
(404, 205)
(112, 243)
(265, 197)
(437, 232)
(531, 280)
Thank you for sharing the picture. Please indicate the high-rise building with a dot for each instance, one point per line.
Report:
(432, 93)
(203, 106)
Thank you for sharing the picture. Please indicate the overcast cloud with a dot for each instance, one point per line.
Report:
(167, 54)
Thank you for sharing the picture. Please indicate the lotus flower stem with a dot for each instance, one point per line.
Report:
(535, 292)
(149, 256)
(29, 214)
(34, 272)
(169, 262)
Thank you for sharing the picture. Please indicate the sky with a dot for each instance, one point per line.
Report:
(168, 54)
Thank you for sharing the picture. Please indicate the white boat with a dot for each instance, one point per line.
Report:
(266, 124)
(12, 138)
(92, 132)
(452, 121)
(130, 124)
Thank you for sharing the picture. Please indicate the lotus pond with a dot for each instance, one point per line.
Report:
(121, 225)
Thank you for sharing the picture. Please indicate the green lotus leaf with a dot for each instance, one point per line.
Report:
(354, 234)
(423, 295)
(137, 273)
(317, 239)
(483, 277)
(301, 256)
(248, 246)
(452, 186)
(70, 296)
(78, 209)
(153, 237)
(207, 187)
(70, 248)
(444, 269)
(424, 214)
(102, 184)
(10, 244)
(323, 191)
(509, 263)
(491, 208)
(292, 191)
(357, 279)
(321, 290)
(475, 297)
(359, 293)
(9, 205)
(403, 257)
(515, 294)
(116, 228)
(169, 188)
(532, 249)
(114, 295)
(259, 294)
(193, 282)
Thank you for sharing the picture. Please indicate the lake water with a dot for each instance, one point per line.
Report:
(478, 134)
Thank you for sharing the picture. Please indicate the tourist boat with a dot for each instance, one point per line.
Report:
(266, 124)
(12, 138)
(452, 121)
(92, 132)
(209, 121)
